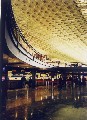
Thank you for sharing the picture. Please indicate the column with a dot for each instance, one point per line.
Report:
(33, 79)
(1, 57)
(2, 39)
(72, 80)
(52, 78)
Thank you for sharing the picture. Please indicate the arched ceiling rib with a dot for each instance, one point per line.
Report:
(57, 28)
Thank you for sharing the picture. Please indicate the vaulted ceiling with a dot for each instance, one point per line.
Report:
(56, 28)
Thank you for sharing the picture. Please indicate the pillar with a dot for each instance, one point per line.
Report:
(52, 78)
(64, 78)
(1, 57)
(72, 80)
(33, 79)
(3, 6)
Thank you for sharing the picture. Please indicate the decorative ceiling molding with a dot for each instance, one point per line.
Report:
(57, 28)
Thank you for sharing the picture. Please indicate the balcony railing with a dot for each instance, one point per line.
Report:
(20, 39)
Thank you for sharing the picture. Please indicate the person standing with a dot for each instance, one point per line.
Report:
(23, 81)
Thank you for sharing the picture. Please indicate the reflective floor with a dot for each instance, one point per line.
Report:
(46, 103)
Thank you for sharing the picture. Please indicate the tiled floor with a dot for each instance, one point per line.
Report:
(46, 104)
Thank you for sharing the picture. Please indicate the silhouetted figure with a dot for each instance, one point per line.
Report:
(83, 81)
(76, 81)
(64, 81)
(79, 81)
(71, 81)
(60, 83)
(23, 81)
(30, 82)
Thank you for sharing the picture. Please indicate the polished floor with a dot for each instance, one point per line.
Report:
(46, 103)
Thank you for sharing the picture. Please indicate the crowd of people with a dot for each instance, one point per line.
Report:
(71, 81)
(61, 82)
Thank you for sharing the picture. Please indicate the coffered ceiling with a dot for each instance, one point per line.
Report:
(56, 28)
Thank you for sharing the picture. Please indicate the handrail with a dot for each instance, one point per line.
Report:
(19, 39)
